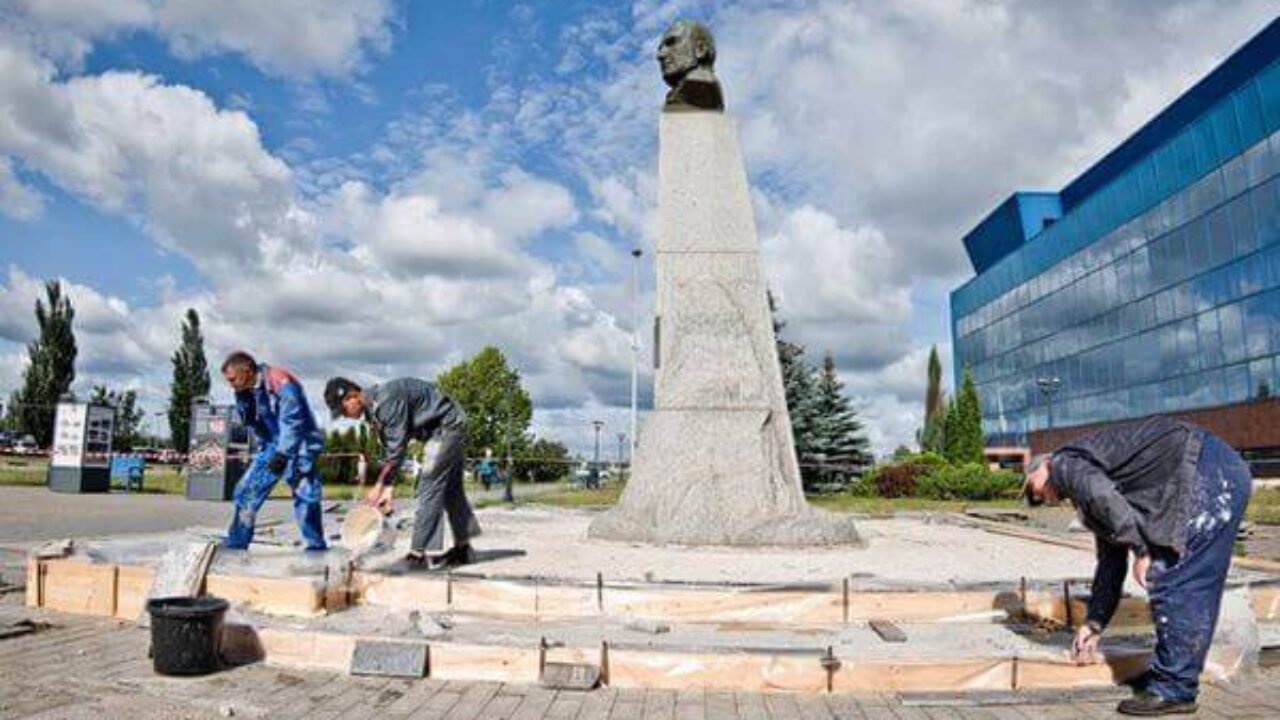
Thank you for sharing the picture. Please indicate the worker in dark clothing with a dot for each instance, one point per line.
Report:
(1172, 495)
(409, 409)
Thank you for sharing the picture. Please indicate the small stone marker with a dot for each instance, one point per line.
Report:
(389, 659)
(887, 631)
(569, 676)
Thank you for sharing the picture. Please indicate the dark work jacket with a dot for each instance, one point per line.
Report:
(409, 409)
(1132, 485)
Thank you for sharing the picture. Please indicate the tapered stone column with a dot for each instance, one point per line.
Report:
(715, 464)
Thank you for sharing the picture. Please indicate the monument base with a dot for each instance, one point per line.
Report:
(689, 493)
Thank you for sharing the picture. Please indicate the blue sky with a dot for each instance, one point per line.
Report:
(379, 187)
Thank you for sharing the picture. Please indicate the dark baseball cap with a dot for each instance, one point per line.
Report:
(335, 391)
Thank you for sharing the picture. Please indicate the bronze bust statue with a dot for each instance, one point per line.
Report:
(687, 57)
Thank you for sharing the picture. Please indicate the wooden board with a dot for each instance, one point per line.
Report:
(716, 671)
(293, 597)
(795, 608)
(1266, 602)
(957, 675)
(303, 649)
(1045, 674)
(35, 585)
(81, 588)
(456, 661)
(132, 584)
(402, 592)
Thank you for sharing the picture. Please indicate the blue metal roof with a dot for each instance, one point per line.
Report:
(1224, 80)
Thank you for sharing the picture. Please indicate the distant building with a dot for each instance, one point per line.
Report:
(1150, 284)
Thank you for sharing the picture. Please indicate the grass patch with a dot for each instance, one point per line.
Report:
(880, 506)
(1264, 507)
(570, 497)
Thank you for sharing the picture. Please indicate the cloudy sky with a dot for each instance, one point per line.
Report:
(380, 187)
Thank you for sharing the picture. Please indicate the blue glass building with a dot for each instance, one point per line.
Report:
(1149, 284)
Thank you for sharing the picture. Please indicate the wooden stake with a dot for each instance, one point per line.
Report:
(604, 662)
(845, 601)
(600, 591)
(1066, 598)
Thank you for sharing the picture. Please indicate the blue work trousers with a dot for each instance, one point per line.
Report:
(1186, 591)
(255, 487)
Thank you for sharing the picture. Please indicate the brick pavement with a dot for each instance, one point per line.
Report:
(93, 669)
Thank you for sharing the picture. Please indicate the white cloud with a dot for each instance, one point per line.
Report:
(297, 38)
(195, 176)
(17, 200)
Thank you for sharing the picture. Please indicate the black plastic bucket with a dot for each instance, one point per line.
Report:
(186, 634)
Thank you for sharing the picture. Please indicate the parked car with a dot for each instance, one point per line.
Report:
(26, 445)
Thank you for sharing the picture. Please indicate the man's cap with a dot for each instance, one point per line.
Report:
(335, 391)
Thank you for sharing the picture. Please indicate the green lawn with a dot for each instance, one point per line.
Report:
(880, 506)
(567, 496)
(1264, 506)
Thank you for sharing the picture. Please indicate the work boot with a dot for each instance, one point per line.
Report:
(1149, 704)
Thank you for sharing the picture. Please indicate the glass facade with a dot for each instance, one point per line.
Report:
(1158, 292)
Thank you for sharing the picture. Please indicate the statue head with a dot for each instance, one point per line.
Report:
(687, 56)
(685, 46)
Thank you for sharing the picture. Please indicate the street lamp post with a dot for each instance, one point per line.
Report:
(598, 425)
(635, 343)
(1048, 387)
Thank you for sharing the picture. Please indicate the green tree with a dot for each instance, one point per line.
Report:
(800, 385)
(548, 460)
(964, 439)
(127, 425)
(339, 463)
(190, 380)
(498, 408)
(51, 366)
(838, 438)
(935, 407)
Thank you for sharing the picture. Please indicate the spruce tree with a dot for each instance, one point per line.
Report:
(935, 408)
(51, 365)
(970, 443)
(838, 435)
(190, 380)
(800, 385)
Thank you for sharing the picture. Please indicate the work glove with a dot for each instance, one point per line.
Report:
(277, 464)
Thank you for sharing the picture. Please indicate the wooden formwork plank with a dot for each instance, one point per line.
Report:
(735, 606)
(77, 587)
(494, 663)
(716, 671)
(494, 597)
(401, 592)
(313, 650)
(33, 596)
(132, 585)
(568, 601)
(879, 676)
(1050, 674)
(296, 597)
(943, 606)
(1266, 602)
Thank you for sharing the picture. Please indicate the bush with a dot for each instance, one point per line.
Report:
(899, 479)
(971, 481)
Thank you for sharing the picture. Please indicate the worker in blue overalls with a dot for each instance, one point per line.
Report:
(274, 407)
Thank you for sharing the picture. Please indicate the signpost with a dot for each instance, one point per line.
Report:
(80, 460)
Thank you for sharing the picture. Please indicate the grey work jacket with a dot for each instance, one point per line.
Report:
(409, 409)
(1132, 485)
